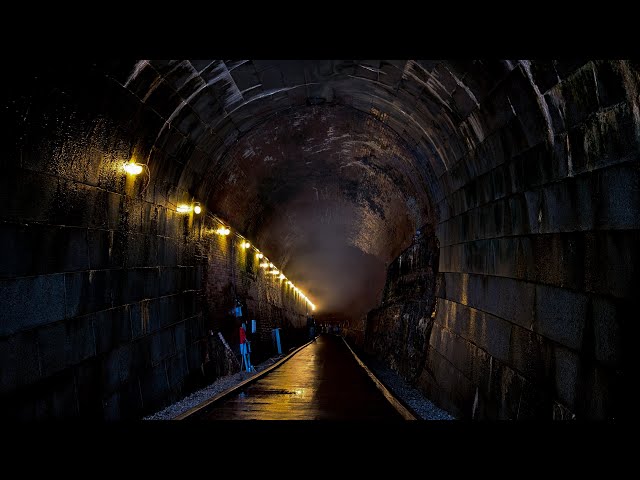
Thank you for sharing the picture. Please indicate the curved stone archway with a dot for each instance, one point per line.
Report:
(525, 172)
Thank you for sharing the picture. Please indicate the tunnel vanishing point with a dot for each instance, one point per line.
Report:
(472, 224)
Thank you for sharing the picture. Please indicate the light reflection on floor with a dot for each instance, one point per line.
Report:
(321, 382)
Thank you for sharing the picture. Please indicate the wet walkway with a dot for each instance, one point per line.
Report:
(321, 382)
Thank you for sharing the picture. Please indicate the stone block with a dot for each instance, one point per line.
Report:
(163, 99)
(618, 205)
(89, 388)
(63, 398)
(607, 331)
(176, 369)
(41, 249)
(580, 96)
(180, 336)
(567, 370)
(154, 387)
(87, 292)
(112, 328)
(100, 243)
(611, 82)
(116, 368)
(531, 355)
(544, 74)
(566, 68)
(31, 301)
(560, 315)
(611, 261)
(65, 344)
(20, 361)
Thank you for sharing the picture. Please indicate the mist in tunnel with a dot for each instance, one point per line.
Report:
(339, 278)
(332, 196)
(475, 221)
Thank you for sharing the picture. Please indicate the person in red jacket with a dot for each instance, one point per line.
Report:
(244, 348)
(243, 336)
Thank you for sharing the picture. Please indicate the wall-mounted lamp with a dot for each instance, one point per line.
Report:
(132, 168)
(265, 264)
(197, 209)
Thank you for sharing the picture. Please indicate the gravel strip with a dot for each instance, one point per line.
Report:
(419, 404)
(220, 385)
(411, 396)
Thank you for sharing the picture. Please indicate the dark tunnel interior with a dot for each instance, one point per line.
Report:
(472, 223)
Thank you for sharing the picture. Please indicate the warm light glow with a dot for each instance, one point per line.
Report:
(133, 168)
(269, 267)
(197, 209)
(183, 208)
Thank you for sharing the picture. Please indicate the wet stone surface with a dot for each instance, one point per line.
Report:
(411, 397)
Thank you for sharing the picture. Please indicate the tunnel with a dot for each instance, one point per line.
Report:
(473, 224)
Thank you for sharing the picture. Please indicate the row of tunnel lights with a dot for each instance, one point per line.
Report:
(133, 168)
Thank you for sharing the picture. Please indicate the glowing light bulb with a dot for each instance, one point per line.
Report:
(132, 168)
(223, 231)
(259, 255)
(313, 307)
(183, 208)
(245, 244)
(289, 282)
(197, 209)
(281, 276)
(264, 265)
(271, 265)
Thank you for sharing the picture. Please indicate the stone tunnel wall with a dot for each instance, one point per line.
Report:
(398, 331)
(104, 311)
(539, 249)
(234, 275)
(536, 184)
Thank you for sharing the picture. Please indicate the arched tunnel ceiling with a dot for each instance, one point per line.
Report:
(333, 192)
(290, 152)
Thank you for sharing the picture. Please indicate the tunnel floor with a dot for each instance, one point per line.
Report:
(321, 382)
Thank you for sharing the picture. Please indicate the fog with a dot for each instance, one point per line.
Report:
(330, 196)
(317, 244)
